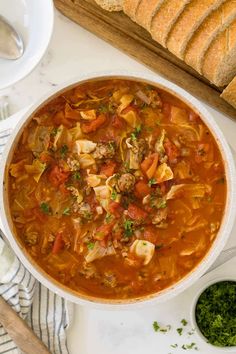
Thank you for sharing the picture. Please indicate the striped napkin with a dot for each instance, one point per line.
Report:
(46, 313)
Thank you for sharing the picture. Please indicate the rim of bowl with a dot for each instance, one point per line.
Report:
(222, 235)
(206, 283)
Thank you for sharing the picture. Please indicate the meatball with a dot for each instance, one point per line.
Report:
(126, 182)
(104, 151)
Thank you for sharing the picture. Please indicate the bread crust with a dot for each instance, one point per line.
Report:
(217, 22)
(219, 65)
(130, 8)
(145, 12)
(229, 93)
(110, 5)
(188, 22)
(165, 18)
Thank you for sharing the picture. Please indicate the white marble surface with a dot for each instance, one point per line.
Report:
(73, 51)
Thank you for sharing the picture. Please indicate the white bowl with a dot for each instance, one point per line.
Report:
(33, 19)
(190, 278)
(204, 283)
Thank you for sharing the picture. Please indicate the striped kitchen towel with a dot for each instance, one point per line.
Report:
(46, 313)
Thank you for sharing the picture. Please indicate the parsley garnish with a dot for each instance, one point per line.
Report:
(152, 181)
(45, 208)
(189, 346)
(174, 345)
(64, 150)
(90, 245)
(156, 326)
(113, 194)
(136, 133)
(66, 211)
(180, 331)
(128, 226)
(77, 176)
(184, 322)
(108, 218)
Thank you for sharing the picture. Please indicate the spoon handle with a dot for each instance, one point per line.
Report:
(223, 258)
(19, 331)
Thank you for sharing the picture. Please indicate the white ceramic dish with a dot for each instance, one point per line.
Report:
(204, 283)
(33, 19)
(188, 280)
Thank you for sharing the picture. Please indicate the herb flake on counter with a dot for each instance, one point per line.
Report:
(180, 331)
(156, 326)
(189, 346)
(184, 322)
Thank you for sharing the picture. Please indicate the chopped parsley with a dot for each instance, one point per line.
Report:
(108, 218)
(45, 208)
(136, 133)
(103, 108)
(180, 331)
(54, 131)
(113, 194)
(156, 326)
(159, 203)
(184, 322)
(152, 181)
(77, 176)
(128, 226)
(189, 346)
(216, 313)
(90, 245)
(64, 150)
(174, 345)
(66, 211)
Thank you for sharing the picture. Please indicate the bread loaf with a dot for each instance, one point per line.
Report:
(110, 5)
(130, 8)
(145, 12)
(229, 94)
(219, 64)
(215, 23)
(187, 23)
(165, 18)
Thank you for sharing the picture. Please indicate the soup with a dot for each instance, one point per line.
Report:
(116, 189)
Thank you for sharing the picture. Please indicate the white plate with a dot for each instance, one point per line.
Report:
(33, 19)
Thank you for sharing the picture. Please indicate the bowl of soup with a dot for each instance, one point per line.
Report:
(117, 190)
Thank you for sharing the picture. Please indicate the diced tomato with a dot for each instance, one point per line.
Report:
(57, 176)
(103, 231)
(171, 150)
(58, 244)
(118, 123)
(116, 209)
(141, 189)
(149, 165)
(59, 118)
(94, 124)
(150, 234)
(136, 213)
(108, 169)
(71, 113)
(46, 158)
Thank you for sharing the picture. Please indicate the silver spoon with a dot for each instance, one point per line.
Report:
(11, 43)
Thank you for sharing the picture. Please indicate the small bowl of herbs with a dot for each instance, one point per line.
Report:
(214, 314)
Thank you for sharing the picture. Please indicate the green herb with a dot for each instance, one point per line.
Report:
(54, 131)
(158, 122)
(221, 180)
(128, 226)
(155, 326)
(184, 322)
(159, 203)
(180, 331)
(77, 176)
(174, 345)
(136, 133)
(152, 181)
(165, 329)
(113, 194)
(103, 108)
(66, 211)
(64, 150)
(108, 218)
(90, 245)
(45, 208)
(216, 314)
(189, 346)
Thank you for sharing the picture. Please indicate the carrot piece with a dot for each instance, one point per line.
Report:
(108, 169)
(58, 244)
(94, 124)
(150, 234)
(59, 118)
(57, 176)
(171, 150)
(116, 209)
(136, 213)
(141, 189)
(71, 113)
(149, 165)
(103, 231)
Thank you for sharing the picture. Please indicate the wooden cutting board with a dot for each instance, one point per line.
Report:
(121, 32)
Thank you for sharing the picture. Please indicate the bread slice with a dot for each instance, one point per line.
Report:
(215, 23)
(229, 94)
(110, 5)
(219, 64)
(187, 23)
(165, 18)
(130, 7)
(145, 12)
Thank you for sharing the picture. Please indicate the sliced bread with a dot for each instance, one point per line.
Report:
(215, 23)
(187, 23)
(110, 5)
(219, 64)
(229, 94)
(146, 10)
(165, 18)
(130, 7)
